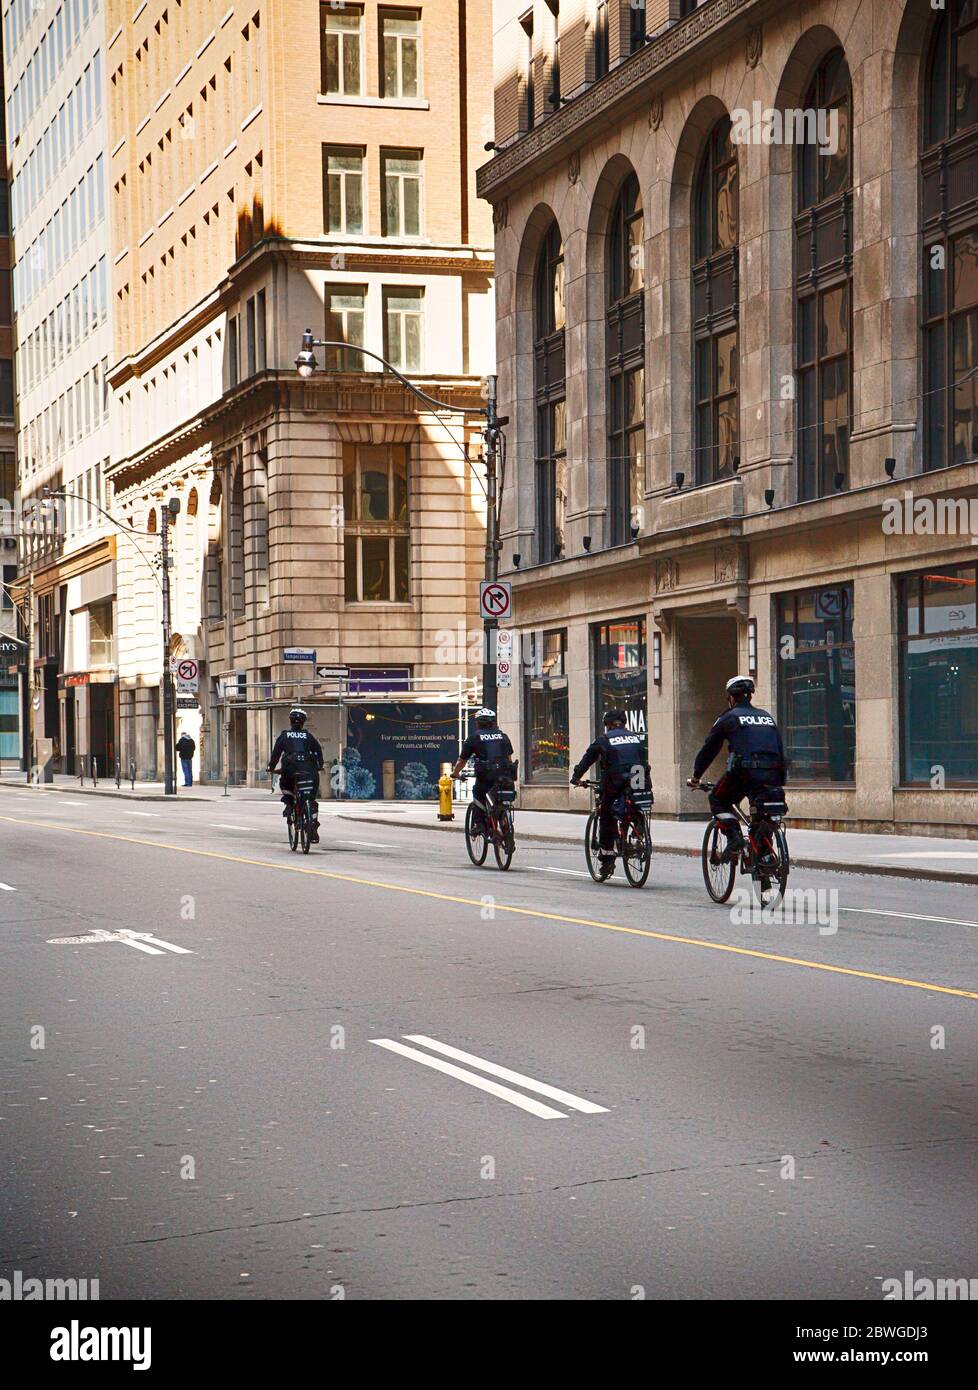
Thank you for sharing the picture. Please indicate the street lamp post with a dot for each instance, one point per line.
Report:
(306, 364)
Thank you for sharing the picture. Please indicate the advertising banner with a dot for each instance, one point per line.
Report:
(397, 751)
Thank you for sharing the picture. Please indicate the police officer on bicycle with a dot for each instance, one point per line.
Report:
(492, 751)
(756, 765)
(624, 765)
(299, 751)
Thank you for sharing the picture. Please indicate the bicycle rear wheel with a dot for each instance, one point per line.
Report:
(592, 848)
(305, 826)
(768, 884)
(718, 874)
(293, 825)
(636, 850)
(476, 840)
(502, 844)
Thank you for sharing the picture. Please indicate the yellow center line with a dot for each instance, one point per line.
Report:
(562, 918)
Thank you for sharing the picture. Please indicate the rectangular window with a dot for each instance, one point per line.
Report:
(817, 684)
(261, 330)
(233, 360)
(620, 673)
(343, 189)
(545, 703)
(100, 634)
(342, 50)
(376, 520)
(9, 578)
(6, 386)
(345, 310)
(402, 174)
(401, 56)
(939, 676)
(404, 327)
(251, 336)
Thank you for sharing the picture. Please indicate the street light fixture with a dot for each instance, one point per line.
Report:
(306, 364)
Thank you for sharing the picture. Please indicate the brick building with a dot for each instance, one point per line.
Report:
(737, 328)
(275, 167)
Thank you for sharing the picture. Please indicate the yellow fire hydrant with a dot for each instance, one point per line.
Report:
(445, 811)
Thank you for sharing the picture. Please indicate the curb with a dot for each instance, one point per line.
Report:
(802, 861)
(93, 791)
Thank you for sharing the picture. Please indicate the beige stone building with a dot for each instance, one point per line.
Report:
(737, 334)
(276, 167)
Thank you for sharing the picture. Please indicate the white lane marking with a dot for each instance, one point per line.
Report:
(930, 854)
(577, 873)
(543, 1112)
(223, 825)
(587, 1107)
(371, 844)
(7, 888)
(143, 813)
(908, 916)
(138, 938)
(63, 801)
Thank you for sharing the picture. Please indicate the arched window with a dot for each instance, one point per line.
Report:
(151, 522)
(625, 347)
(949, 177)
(550, 395)
(823, 283)
(192, 502)
(715, 292)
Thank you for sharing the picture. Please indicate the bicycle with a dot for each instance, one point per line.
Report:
(496, 825)
(299, 819)
(633, 841)
(763, 856)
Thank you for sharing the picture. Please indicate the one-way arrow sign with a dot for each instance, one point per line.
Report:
(332, 673)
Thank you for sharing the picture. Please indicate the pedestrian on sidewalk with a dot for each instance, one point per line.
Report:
(186, 748)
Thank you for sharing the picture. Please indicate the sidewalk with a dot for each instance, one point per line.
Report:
(904, 856)
(144, 791)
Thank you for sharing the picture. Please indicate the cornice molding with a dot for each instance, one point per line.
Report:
(628, 82)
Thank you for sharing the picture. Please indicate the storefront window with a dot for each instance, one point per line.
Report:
(817, 684)
(620, 676)
(939, 676)
(545, 703)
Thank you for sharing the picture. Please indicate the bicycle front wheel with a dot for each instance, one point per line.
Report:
(502, 844)
(293, 823)
(718, 873)
(592, 848)
(305, 827)
(476, 837)
(636, 850)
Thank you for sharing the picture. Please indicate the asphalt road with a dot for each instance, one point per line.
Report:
(702, 1108)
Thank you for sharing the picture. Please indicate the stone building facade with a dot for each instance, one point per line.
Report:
(737, 335)
(278, 167)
